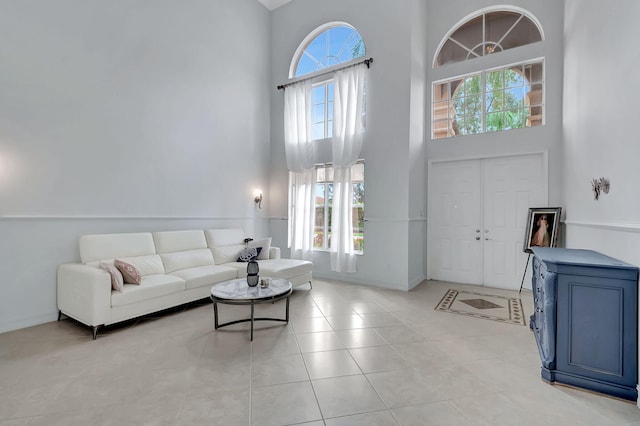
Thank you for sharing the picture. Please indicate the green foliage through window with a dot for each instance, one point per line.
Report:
(490, 101)
(324, 203)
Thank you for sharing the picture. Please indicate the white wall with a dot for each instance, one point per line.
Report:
(124, 116)
(418, 135)
(601, 127)
(392, 148)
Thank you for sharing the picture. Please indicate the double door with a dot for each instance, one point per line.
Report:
(477, 218)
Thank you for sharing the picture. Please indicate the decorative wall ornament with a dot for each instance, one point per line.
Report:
(599, 186)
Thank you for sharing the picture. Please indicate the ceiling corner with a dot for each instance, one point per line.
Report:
(274, 4)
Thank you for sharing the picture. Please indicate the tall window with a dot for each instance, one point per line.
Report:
(327, 202)
(323, 206)
(329, 45)
(489, 101)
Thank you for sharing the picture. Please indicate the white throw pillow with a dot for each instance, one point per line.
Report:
(265, 243)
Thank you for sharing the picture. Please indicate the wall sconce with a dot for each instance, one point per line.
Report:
(599, 186)
(258, 199)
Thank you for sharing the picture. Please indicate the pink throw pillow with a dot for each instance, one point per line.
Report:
(129, 272)
(117, 281)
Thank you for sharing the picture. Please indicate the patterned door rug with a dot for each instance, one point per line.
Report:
(485, 306)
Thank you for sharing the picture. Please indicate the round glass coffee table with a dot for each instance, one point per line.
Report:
(237, 292)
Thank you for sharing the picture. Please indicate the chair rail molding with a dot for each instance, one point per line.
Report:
(612, 226)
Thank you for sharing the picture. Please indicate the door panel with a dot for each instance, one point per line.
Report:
(511, 185)
(454, 212)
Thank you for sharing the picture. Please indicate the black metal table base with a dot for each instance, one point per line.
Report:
(217, 325)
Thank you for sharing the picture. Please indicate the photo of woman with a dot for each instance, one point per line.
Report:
(541, 236)
(542, 227)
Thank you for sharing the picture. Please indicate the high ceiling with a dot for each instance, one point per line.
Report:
(273, 4)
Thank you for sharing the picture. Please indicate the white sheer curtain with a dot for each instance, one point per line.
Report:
(348, 127)
(301, 214)
(297, 127)
(300, 161)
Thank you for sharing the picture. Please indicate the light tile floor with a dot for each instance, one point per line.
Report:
(351, 355)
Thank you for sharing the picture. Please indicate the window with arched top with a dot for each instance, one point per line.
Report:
(487, 32)
(328, 45)
(489, 100)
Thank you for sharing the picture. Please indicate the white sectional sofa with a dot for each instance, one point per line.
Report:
(176, 267)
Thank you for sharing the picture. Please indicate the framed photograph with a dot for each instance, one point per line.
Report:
(542, 227)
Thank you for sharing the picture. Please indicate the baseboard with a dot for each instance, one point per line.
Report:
(359, 281)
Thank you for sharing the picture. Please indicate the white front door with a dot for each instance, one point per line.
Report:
(511, 185)
(454, 247)
(477, 218)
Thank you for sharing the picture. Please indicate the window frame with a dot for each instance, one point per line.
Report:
(309, 39)
(482, 13)
(323, 76)
(326, 82)
(483, 96)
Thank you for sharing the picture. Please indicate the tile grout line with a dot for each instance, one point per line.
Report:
(306, 368)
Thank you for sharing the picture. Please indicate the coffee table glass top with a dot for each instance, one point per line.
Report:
(238, 289)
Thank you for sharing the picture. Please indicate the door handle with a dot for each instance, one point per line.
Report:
(488, 239)
(477, 238)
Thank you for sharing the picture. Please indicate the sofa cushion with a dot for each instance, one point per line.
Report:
(226, 254)
(205, 275)
(172, 241)
(150, 286)
(265, 243)
(117, 280)
(224, 237)
(284, 268)
(146, 265)
(186, 259)
(275, 268)
(130, 273)
(109, 246)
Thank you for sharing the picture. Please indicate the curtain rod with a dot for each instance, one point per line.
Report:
(367, 62)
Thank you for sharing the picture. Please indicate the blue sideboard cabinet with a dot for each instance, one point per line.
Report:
(585, 320)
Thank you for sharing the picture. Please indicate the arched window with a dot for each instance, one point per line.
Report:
(489, 100)
(326, 49)
(487, 32)
(326, 46)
